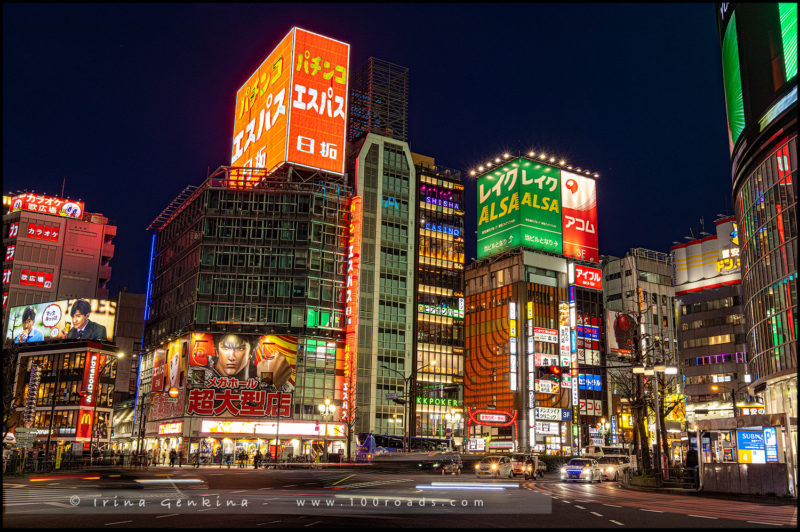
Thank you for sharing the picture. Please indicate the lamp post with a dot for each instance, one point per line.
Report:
(408, 398)
(453, 418)
(652, 371)
(326, 409)
(106, 366)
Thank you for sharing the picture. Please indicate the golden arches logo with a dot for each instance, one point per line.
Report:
(86, 419)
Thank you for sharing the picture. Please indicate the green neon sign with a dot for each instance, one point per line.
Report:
(519, 204)
(437, 401)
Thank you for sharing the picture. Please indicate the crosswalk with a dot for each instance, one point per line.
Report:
(698, 506)
(373, 483)
(32, 497)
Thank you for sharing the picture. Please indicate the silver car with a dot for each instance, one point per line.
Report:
(494, 467)
(614, 467)
(582, 469)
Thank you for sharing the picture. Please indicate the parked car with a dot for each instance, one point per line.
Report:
(586, 469)
(494, 467)
(614, 467)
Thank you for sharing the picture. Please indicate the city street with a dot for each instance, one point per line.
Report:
(356, 497)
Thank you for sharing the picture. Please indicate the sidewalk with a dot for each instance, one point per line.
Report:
(760, 499)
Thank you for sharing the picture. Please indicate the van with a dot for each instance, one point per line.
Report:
(593, 451)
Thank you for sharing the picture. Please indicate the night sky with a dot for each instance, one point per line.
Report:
(130, 103)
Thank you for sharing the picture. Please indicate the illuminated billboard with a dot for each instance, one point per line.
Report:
(47, 205)
(579, 208)
(759, 67)
(708, 262)
(293, 108)
(531, 204)
(620, 333)
(90, 319)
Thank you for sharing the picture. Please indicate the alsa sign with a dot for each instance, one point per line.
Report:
(588, 277)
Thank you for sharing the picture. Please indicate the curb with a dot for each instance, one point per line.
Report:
(716, 495)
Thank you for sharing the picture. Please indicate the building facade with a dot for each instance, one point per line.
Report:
(639, 289)
(385, 180)
(54, 250)
(438, 368)
(711, 324)
(244, 335)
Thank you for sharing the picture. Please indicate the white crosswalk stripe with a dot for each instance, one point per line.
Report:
(374, 483)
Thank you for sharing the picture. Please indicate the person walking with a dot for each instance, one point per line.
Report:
(257, 459)
(228, 459)
(196, 459)
(172, 457)
(180, 458)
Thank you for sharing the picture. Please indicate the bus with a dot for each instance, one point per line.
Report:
(369, 445)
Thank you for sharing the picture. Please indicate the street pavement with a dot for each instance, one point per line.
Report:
(356, 497)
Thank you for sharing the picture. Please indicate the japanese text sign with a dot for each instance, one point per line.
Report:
(293, 108)
(588, 277)
(579, 210)
(47, 205)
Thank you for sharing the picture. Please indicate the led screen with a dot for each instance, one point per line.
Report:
(90, 319)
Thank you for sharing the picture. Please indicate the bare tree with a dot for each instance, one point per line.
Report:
(350, 425)
(11, 401)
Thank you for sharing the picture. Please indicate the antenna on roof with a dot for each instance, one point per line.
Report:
(63, 183)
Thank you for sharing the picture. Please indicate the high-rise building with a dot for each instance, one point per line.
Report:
(711, 324)
(639, 287)
(385, 180)
(379, 101)
(759, 64)
(438, 368)
(247, 284)
(533, 376)
(54, 250)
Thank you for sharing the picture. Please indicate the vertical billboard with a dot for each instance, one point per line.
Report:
(531, 204)
(579, 209)
(293, 108)
(351, 310)
(620, 333)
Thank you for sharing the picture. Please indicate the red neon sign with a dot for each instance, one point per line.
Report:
(351, 309)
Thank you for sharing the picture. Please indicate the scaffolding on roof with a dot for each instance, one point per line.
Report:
(379, 101)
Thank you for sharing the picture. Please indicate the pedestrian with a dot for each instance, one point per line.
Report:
(164, 457)
(228, 459)
(180, 458)
(257, 459)
(196, 459)
(172, 457)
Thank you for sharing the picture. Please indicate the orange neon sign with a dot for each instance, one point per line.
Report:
(351, 309)
(293, 108)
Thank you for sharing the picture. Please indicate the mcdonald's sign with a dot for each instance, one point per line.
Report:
(84, 430)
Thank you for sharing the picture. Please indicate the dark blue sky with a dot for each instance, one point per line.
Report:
(130, 103)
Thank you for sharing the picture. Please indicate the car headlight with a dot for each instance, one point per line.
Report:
(610, 470)
(586, 472)
(435, 465)
(494, 466)
(477, 466)
(563, 470)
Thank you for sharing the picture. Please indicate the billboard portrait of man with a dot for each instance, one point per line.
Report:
(82, 326)
(29, 332)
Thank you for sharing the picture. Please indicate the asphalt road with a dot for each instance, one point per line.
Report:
(356, 497)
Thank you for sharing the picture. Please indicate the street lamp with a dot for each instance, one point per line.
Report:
(406, 393)
(658, 367)
(326, 409)
(453, 418)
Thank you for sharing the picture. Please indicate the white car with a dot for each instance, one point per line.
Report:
(585, 469)
(494, 467)
(614, 467)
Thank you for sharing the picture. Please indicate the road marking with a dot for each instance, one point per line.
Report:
(579, 506)
(118, 523)
(239, 491)
(312, 524)
(272, 522)
(763, 523)
(613, 505)
(206, 509)
(702, 516)
(286, 486)
(597, 514)
(616, 522)
(265, 488)
(342, 480)
(166, 515)
(656, 511)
